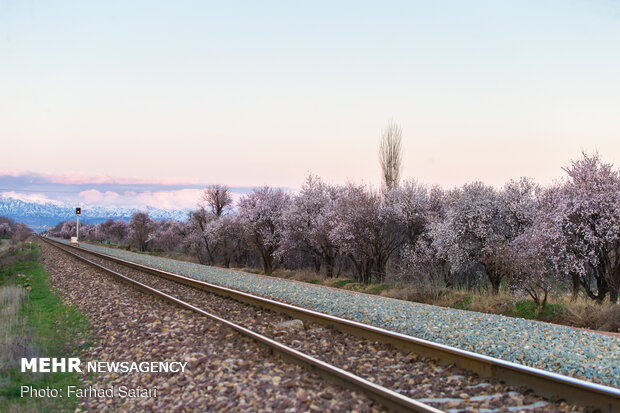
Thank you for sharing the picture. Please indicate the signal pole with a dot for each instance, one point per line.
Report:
(78, 211)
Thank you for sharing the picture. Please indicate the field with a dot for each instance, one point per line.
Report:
(34, 323)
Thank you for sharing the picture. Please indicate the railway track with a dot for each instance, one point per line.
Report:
(550, 385)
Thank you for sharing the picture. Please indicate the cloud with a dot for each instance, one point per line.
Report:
(178, 199)
(102, 190)
(11, 172)
(94, 196)
(31, 197)
(78, 178)
(173, 199)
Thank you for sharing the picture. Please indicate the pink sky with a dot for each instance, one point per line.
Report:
(482, 90)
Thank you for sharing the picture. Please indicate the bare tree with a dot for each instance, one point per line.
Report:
(217, 198)
(390, 155)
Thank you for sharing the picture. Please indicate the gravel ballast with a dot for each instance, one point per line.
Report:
(225, 371)
(555, 348)
(420, 378)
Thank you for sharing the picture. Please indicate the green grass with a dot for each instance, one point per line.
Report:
(527, 309)
(51, 329)
(377, 288)
(463, 302)
(342, 283)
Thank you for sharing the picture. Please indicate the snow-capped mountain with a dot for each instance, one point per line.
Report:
(39, 216)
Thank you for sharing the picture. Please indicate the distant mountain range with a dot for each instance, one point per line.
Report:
(41, 216)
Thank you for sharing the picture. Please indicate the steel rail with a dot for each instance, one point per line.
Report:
(548, 384)
(388, 398)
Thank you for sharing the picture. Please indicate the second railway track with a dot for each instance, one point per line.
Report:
(366, 352)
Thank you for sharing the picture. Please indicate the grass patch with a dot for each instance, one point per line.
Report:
(527, 309)
(342, 282)
(40, 326)
(552, 311)
(582, 312)
(462, 303)
(523, 309)
(377, 289)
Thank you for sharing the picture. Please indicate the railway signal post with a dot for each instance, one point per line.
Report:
(78, 212)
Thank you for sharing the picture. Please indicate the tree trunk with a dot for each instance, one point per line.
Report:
(575, 293)
(209, 251)
(265, 253)
(267, 262)
(317, 264)
(601, 286)
(445, 272)
(382, 269)
(614, 284)
(367, 272)
(329, 267)
(359, 271)
(495, 279)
